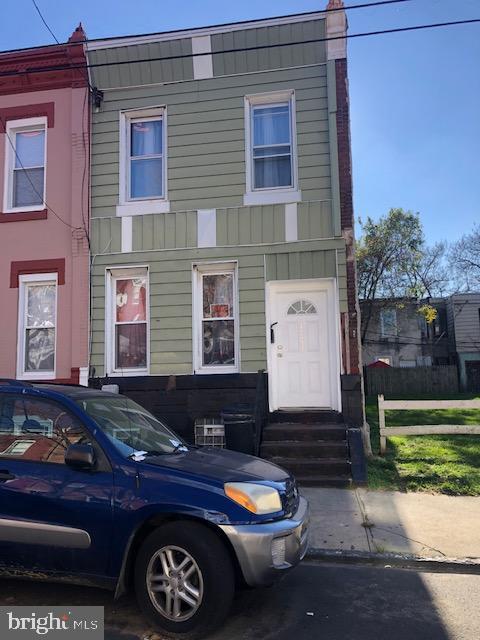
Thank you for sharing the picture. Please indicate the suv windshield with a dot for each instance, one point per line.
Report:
(132, 429)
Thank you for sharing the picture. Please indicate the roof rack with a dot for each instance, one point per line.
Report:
(15, 383)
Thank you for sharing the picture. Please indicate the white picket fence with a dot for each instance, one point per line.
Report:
(424, 430)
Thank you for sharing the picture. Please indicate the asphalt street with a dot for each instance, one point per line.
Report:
(329, 602)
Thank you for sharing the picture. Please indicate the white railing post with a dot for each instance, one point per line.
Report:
(381, 424)
(423, 430)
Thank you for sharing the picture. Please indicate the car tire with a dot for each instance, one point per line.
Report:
(183, 570)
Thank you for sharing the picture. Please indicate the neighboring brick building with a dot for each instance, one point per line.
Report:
(44, 176)
(398, 334)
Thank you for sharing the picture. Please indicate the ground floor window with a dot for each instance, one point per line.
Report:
(215, 318)
(37, 319)
(127, 321)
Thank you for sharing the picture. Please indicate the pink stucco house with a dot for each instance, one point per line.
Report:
(44, 178)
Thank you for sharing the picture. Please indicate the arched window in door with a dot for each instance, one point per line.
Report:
(301, 307)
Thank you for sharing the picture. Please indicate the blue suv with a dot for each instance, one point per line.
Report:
(95, 490)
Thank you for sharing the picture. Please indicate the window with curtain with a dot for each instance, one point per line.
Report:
(216, 318)
(37, 331)
(271, 144)
(146, 158)
(130, 319)
(26, 182)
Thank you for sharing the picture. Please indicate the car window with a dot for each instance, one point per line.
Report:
(37, 429)
(130, 427)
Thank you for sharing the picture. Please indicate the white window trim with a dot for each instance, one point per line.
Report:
(198, 270)
(23, 282)
(277, 195)
(140, 206)
(11, 128)
(111, 275)
(382, 323)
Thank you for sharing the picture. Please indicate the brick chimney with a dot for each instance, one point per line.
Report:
(336, 26)
(78, 35)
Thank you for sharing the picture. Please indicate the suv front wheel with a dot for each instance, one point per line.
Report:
(184, 579)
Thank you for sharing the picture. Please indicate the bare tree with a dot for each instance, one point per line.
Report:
(464, 260)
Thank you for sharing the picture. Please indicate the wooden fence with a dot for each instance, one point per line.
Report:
(424, 430)
(411, 380)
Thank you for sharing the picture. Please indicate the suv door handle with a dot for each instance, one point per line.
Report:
(6, 475)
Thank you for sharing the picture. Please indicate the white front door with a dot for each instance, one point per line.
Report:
(302, 339)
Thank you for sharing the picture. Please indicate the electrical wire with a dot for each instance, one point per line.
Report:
(363, 5)
(44, 202)
(45, 22)
(57, 41)
(348, 36)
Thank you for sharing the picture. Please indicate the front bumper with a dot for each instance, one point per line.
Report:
(253, 546)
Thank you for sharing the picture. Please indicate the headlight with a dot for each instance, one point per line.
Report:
(254, 497)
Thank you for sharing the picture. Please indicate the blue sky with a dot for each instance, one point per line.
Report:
(415, 97)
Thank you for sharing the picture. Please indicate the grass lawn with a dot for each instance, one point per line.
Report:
(440, 464)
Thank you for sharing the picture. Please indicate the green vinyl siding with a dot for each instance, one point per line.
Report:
(249, 225)
(206, 138)
(135, 73)
(269, 58)
(206, 170)
(165, 231)
(297, 265)
(315, 220)
(170, 277)
(106, 235)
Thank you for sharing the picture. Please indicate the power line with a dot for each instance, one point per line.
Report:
(40, 195)
(57, 41)
(364, 5)
(45, 22)
(241, 49)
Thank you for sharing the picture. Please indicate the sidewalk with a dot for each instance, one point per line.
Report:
(383, 524)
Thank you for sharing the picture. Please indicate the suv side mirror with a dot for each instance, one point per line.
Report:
(80, 457)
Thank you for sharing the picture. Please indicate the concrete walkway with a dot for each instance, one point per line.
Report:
(379, 523)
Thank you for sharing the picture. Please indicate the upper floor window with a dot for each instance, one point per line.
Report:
(388, 323)
(25, 162)
(142, 159)
(270, 146)
(127, 321)
(37, 321)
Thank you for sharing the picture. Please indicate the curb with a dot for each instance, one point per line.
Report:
(399, 560)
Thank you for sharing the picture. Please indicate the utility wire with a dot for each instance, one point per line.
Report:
(57, 41)
(364, 5)
(40, 195)
(242, 49)
(45, 22)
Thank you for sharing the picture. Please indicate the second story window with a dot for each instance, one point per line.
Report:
(143, 161)
(146, 158)
(271, 164)
(272, 146)
(25, 155)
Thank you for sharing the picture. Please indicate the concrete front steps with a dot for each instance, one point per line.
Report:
(312, 445)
